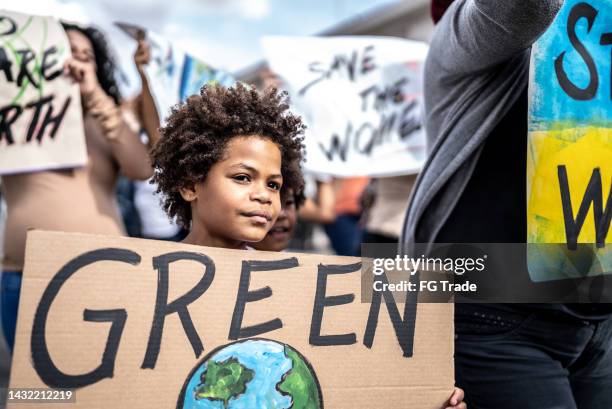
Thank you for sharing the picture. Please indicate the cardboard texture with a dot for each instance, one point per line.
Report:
(65, 291)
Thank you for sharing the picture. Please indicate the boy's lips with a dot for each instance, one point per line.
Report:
(259, 216)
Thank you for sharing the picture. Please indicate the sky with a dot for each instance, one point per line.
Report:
(222, 33)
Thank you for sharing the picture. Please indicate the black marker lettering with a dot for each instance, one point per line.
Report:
(178, 306)
(580, 10)
(26, 57)
(5, 65)
(12, 26)
(321, 301)
(593, 194)
(245, 296)
(45, 65)
(8, 115)
(404, 328)
(41, 360)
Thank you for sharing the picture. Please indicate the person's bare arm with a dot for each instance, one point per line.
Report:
(146, 108)
(131, 154)
(320, 210)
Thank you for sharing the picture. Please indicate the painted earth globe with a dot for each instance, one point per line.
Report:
(249, 374)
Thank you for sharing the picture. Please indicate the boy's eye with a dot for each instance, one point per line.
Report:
(242, 178)
(274, 185)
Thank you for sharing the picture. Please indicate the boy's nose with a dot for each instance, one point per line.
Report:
(261, 194)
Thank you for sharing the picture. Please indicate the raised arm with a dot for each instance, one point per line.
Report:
(475, 35)
(126, 146)
(127, 149)
(145, 104)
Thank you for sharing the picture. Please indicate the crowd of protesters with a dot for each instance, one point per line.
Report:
(227, 165)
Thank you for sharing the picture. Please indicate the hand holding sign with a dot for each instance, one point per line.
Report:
(84, 74)
(142, 56)
(95, 100)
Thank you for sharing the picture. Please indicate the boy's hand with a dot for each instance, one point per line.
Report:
(456, 400)
(84, 74)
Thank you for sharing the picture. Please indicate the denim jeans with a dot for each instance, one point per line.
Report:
(345, 234)
(540, 360)
(10, 287)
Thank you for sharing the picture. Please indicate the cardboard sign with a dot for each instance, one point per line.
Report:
(41, 124)
(174, 74)
(136, 323)
(361, 98)
(569, 167)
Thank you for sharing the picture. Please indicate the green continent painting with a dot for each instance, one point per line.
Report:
(253, 373)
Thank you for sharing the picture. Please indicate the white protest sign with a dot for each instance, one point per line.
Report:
(361, 98)
(174, 74)
(41, 124)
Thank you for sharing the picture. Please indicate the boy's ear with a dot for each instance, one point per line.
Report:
(188, 193)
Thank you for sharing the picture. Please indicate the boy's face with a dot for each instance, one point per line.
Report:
(280, 234)
(240, 199)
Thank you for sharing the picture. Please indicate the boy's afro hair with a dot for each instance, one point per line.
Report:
(198, 130)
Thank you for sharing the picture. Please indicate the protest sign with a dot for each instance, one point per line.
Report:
(361, 98)
(131, 323)
(41, 124)
(569, 168)
(173, 73)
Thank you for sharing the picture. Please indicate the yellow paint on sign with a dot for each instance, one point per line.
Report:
(581, 150)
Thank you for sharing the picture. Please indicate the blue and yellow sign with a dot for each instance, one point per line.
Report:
(569, 168)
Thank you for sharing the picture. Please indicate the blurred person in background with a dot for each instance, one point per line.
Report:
(346, 231)
(317, 210)
(79, 199)
(473, 190)
(140, 204)
(281, 232)
(385, 214)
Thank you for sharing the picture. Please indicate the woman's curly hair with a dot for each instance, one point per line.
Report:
(105, 60)
(198, 130)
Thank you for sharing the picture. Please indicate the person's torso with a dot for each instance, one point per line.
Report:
(493, 206)
(73, 200)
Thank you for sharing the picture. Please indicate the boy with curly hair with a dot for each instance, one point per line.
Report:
(223, 160)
